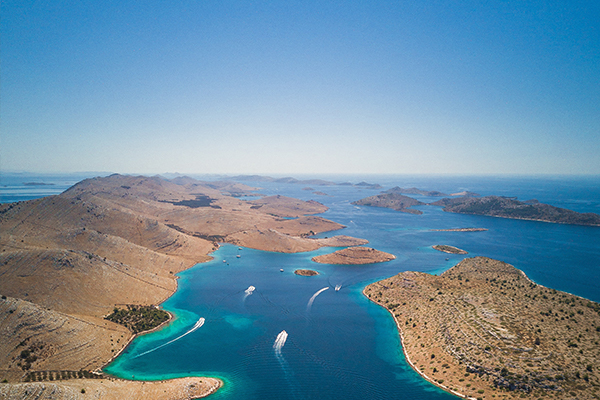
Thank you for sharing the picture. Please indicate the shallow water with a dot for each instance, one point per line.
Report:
(342, 346)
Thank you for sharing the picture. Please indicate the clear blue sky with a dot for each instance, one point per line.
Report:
(301, 87)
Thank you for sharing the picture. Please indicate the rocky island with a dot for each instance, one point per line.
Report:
(393, 201)
(414, 190)
(482, 329)
(68, 260)
(448, 249)
(354, 256)
(510, 207)
(306, 272)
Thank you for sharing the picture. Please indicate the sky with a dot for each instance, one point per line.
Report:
(290, 87)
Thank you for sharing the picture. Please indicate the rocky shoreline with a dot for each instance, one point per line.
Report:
(121, 240)
(354, 256)
(482, 329)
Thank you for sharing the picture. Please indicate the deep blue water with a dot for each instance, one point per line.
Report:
(13, 186)
(343, 346)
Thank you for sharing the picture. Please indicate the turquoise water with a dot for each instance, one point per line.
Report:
(343, 346)
(339, 347)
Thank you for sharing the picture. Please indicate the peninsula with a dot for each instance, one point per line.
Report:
(393, 201)
(354, 256)
(482, 329)
(510, 207)
(68, 261)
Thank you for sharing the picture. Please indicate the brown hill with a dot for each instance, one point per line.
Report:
(394, 201)
(509, 207)
(354, 255)
(67, 260)
(482, 329)
(414, 190)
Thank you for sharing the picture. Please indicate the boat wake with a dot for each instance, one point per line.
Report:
(248, 291)
(314, 296)
(279, 342)
(197, 325)
(289, 375)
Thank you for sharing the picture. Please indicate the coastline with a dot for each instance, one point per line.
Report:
(172, 317)
(522, 219)
(135, 335)
(412, 365)
(409, 361)
(490, 317)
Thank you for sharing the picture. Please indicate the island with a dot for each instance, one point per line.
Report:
(354, 256)
(393, 201)
(510, 207)
(313, 182)
(465, 193)
(460, 230)
(482, 329)
(70, 260)
(414, 190)
(448, 249)
(306, 272)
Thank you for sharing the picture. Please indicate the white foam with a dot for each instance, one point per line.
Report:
(197, 325)
(314, 296)
(280, 341)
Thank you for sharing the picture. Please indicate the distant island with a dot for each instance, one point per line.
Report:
(306, 272)
(510, 207)
(313, 182)
(354, 256)
(429, 193)
(37, 184)
(460, 230)
(483, 329)
(414, 190)
(466, 193)
(393, 201)
(448, 249)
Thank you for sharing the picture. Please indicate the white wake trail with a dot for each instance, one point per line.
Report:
(249, 291)
(314, 296)
(280, 341)
(197, 325)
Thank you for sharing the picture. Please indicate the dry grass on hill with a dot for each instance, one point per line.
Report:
(484, 330)
(67, 260)
(355, 256)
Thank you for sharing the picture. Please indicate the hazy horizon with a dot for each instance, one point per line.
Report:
(301, 88)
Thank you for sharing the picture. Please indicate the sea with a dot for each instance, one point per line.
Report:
(246, 318)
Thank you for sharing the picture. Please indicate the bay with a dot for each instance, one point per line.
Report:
(342, 346)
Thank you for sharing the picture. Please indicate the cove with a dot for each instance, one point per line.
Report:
(341, 346)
